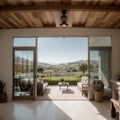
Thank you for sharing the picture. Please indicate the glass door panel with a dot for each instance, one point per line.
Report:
(23, 73)
(100, 67)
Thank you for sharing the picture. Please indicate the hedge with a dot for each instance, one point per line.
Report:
(55, 82)
(70, 80)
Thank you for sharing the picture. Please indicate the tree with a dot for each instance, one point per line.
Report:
(74, 70)
(83, 67)
(40, 70)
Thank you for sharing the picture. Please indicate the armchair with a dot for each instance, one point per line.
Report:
(83, 85)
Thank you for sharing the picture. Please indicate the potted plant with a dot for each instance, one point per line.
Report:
(3, 95)
(62, 81)
(98, 88)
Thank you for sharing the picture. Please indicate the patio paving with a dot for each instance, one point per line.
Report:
(54, 93)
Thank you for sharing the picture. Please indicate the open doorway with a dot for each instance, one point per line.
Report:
(60, 58)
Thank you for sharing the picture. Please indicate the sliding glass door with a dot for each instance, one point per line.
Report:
(24, 72)
(100, 65)
(100, 62)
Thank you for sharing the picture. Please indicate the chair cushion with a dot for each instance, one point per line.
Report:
(84, 80)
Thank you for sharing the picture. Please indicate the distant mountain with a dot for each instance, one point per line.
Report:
(43, 64)
(76, 62)
(70, 64)
(19, 60)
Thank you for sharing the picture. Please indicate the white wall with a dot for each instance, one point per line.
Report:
(6, 50)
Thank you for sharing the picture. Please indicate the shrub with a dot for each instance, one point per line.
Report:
(55, 82)
(72, 82)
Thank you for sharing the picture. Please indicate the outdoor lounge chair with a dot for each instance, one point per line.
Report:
(83, 85)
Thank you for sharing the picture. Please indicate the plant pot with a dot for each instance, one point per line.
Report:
(98, 96)
(3, 97)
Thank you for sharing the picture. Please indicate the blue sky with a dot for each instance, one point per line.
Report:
(56, 50)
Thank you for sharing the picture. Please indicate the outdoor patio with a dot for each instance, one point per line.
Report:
(53, 92)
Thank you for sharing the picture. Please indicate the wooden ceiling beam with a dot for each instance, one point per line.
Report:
(58, 7)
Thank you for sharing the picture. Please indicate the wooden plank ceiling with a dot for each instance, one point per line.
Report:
(47, 13)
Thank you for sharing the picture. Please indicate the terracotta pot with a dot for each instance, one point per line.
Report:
(98, 96)
(3, 97)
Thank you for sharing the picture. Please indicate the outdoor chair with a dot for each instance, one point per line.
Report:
(83, 85)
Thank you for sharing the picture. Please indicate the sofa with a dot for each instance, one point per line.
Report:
(26, 85)
(83, 85)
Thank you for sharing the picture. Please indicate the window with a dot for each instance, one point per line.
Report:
(24, 42)
(101, 41)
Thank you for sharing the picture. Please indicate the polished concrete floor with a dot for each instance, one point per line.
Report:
(55, 110)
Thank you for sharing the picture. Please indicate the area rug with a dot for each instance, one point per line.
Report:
(56, 93)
